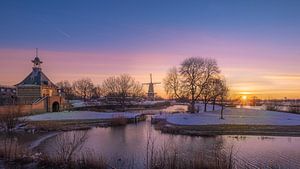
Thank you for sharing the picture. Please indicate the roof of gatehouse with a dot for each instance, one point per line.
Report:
(37, 77)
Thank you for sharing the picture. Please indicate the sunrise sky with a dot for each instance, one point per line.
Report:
(256, 43)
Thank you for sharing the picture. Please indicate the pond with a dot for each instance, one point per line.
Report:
(129, 143)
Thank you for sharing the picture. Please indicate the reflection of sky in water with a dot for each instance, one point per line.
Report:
(259, 150)
(170, 109)
(130, 142)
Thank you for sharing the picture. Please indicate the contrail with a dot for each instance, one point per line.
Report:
(63, 32)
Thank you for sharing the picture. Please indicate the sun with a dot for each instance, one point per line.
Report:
(244, 97)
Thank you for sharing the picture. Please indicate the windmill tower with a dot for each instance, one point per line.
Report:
(151, 93)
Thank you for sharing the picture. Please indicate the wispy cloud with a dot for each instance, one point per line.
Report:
(63, 32)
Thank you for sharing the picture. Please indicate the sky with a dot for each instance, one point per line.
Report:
(256, 43)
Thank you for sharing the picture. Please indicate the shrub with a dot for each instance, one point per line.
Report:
(10, 120)
(11, 150)
(84, 162)
(119, 121)
(294, 109)
(272, 107)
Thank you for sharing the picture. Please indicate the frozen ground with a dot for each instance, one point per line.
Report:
(79, 115)
(81, 103)
(232, 116)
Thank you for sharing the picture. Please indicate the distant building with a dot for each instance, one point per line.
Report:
(38, 90)
(7, 94)
(7, 90)
(151, 94)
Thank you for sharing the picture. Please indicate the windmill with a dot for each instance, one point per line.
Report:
(151, 93)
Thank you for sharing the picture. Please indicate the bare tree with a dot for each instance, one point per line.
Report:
(194, 74)
(207, 93)
(83, 88)
(96, 92)
(122, 88)
(223, 95)
(216, 90)
(67, 89)
(172, 83)
(67, 144)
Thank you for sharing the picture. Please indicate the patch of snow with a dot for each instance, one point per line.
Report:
(235, 116)
(79, 115)
(209, 107)
(147, 102)
(81, 103)
(77, 103)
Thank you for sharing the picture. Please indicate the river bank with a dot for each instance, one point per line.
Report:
(237, 121)
(79, 120)
(227, 129)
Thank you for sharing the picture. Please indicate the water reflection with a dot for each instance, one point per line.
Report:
(128, 144)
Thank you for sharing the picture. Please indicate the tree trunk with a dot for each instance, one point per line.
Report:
(214, 103)
(205, 105)
(193, 107)
(222, 117)
(222, 108)
(123, 105)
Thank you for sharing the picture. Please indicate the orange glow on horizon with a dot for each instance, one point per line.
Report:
(264, 84)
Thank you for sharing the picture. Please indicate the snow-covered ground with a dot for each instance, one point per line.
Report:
(79, 115)
(232, 116)
(81, 103)
(148, 102)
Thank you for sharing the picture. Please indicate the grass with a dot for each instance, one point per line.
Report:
(68, 125)
(214, 130)
(170, 158)
(87, 161)
(15, 156)
(65, 125)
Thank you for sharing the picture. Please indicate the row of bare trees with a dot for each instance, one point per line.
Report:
(82, 88)
(120, 88)
(196, 79)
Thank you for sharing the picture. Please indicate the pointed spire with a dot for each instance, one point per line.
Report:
(36, 52)
(36, 61)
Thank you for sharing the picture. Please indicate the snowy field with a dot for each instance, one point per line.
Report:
(81, 103)
(79, 115)
(232, 116)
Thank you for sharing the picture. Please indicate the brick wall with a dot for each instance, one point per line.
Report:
(24, 109)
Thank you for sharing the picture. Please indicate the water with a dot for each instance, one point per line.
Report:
(129, 142)
(122, 144)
